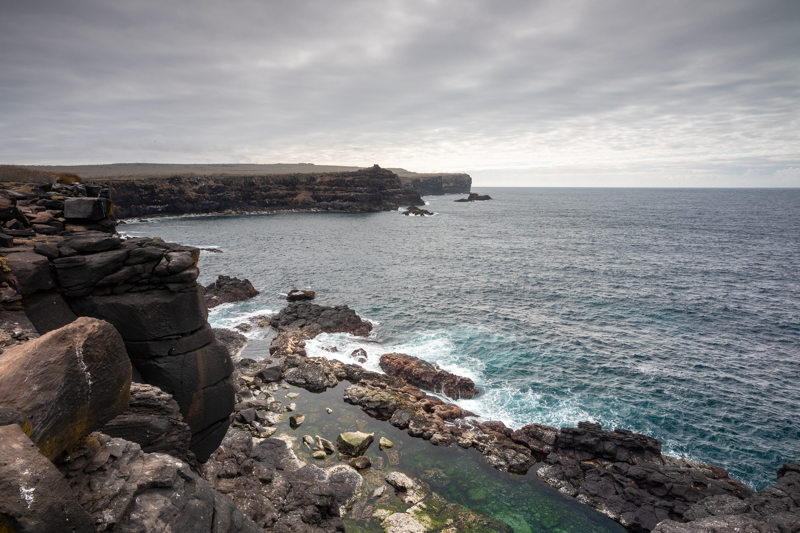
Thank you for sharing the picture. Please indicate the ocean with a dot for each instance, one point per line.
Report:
(669, 312)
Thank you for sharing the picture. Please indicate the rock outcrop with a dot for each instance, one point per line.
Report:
(275, 489)
(297, 295)
(153, 421)
(372, 189)
(426, 376)
(475, 197)
(68, 382)
(435, 184)
(34, 497)
(228, 289)
(147, 290)
(125, 489)
(417, 212)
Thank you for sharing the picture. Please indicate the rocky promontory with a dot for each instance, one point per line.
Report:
(371, 189)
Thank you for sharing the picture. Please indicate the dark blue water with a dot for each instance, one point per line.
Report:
(674, 313)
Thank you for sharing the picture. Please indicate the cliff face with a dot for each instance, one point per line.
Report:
(437, 184)
(373, 189)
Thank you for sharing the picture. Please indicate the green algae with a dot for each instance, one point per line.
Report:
(465, 494)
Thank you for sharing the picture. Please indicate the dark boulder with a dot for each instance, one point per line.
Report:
(87, 208)
(233, 340)
(475, 197)
(68, 382)
(34, 497)
(416, 211)
(424, 375)
(47, 311)
(296, 295)
(318, 318)
(28, 272)
(228, 289)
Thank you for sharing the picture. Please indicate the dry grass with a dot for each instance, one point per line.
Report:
(15, 174)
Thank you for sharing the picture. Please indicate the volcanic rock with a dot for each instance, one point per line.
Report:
(296, 295)
(68, 382)
(423, 374)
(228, 289)
(354, 443)
(474, 197)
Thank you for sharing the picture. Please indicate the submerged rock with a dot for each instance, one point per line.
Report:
(354, 443)
(360, 463)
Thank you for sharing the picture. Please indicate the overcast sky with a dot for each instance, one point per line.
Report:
(611, 93)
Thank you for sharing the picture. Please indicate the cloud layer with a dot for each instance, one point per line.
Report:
(516, 92)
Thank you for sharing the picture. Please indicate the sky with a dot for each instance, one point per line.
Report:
(699, 93)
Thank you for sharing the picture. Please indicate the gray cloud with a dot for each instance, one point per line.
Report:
(517, 92)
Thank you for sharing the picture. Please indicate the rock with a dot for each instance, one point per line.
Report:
(474, 197)
(87, 208)
(76, 379)
(308, 440)
(34, 497)
(296, 295)
(384, 443)
(339, 319)
(326, 445)
(359, 355)
(29, 272)
(47, 311)
(296, 420)
(10, 416)
(292, 395)
(309, 373)
(228, 289)
(408, 490)
(354, 443)
(291, 407)
(416, 211)
(232, 340)
(153, 421)
(270, 375)
(722, 524)
(319, 455)
(6, 241)
(360, 463)
(377, 493)
(402, 523)
(328, 410)
(125, 489)
(423, 374)
(90, 242)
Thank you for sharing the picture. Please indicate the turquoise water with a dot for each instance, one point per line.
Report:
(674, 313)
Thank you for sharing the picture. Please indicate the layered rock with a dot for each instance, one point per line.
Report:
(372, 189)
(153, 421)
(125, 489)
(228, 289)
(68, 382)
(299, 322)
(146, 289)
(425, 375)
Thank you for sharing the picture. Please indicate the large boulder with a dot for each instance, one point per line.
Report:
(227, 289)
(125, 489)
(154, 422)
(426, 376)
(28, 272)
(319, 318)
(68, 382)
(34, 497)
(354, 443)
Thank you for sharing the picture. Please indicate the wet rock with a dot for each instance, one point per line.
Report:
(339, 319)
(319, 455)
(34, 497)
(232, 340)
(354, 443)
(385, 443)
(424, 375)
(125, 489)
(296, 420)
(402, 523)
(296, 295)
(153, 421)
(408, 490)
(75, 378)
(325, 445)
(360, 463)
(228, 289)
(722, 524)
(328, 410)
(416, 211)
(359, 355)
(310, 373)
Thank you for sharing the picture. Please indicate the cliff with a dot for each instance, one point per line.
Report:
(435, 184)
(372, 189)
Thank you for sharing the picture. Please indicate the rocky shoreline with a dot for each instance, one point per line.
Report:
(121, 409)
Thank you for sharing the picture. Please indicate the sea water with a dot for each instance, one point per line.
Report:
(673, 313)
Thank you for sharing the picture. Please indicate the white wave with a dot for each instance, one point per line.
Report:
(228, 316)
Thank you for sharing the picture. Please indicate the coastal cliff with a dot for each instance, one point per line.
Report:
(366, 190)
(435, 184)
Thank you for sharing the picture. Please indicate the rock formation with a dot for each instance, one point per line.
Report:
(372, 189)
(475, 197)
(227, 289)
(146, 289)
(435, 184)
(424, 375)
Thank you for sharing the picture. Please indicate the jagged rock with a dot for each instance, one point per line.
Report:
(125, 489)
(354, 443)
(416, 211)
(309, 373)
(68, 382)
(228, 289)
(339, 319)
(721, 524)
(232, 340)
(34, 497)
(296, 295)
(424, 375)
(408, 490)
(474, 197)
(154, 422)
